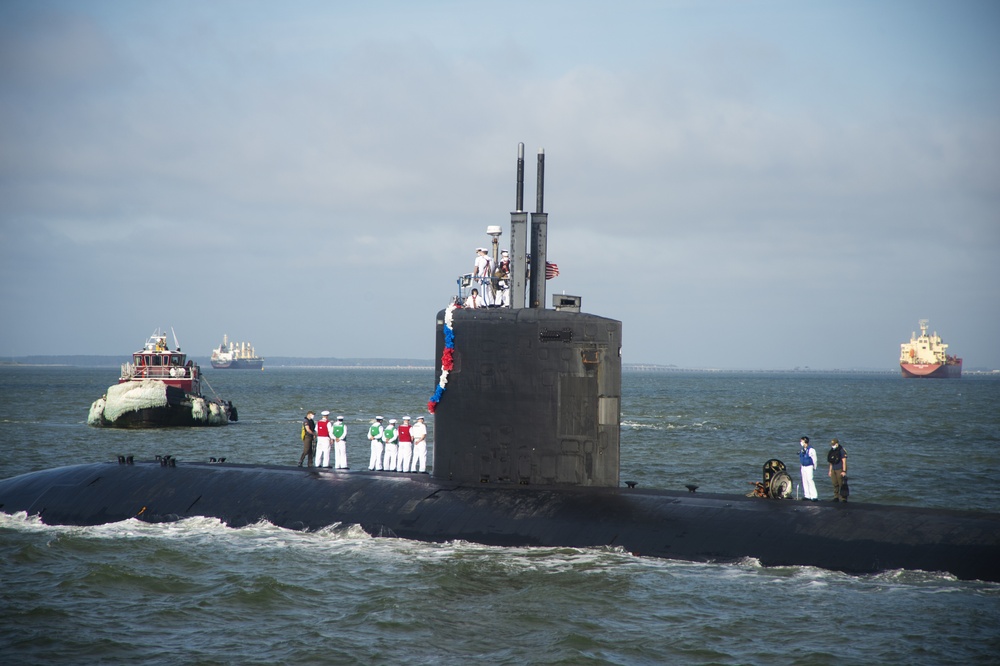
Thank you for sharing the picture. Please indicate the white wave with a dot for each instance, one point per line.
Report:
(259, 538)
(635, 425)
(339, 539)
(668, 425)
(21, 520)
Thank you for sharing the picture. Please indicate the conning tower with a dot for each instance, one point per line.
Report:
(533, 396)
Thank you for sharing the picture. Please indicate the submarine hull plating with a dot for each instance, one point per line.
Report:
(854, 538)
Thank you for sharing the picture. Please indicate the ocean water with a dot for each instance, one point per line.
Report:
(197, 592)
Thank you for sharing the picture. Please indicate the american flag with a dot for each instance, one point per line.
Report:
(551, 270)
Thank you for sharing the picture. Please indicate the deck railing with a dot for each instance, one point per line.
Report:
(132, 371)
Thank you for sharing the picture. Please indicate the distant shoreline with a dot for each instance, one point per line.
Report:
(294, 362)
(101, 361)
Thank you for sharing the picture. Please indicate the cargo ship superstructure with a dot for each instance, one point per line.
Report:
(236, 356)
(927, 356)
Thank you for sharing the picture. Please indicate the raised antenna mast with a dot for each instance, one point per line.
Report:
(540, 185)
(518, 239)
(520, 178)
(539, 241)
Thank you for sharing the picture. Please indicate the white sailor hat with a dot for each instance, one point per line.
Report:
(392, 420)
(481, 249)
(406, 418)
(503, 252)
(340, 418)
(420, 418)
(324, 413)
(378, 418)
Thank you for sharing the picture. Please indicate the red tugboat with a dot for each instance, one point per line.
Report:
(926, 356)
(159, 388)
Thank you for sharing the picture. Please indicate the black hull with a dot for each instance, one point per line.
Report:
(854, 538)
(171, 416)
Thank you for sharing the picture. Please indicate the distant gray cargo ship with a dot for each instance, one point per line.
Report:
(236, 356)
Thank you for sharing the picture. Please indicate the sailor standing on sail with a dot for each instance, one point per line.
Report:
(391, 436)
(482, 271)
(375, 436)
(503, 280)
(807, 460)
(323, 440)
(339, 431)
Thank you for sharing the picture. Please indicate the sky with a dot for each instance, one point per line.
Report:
(744, 184)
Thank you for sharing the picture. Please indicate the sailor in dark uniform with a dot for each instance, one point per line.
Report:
(837, 457)
(308, 439)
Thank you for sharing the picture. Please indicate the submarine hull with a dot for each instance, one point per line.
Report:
(854, 538)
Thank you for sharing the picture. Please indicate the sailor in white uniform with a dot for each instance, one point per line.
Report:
(390, 436)
(419, 434)
(807, 462)
(483, 271)
(375, 435)
(405, 446)
(339, 433)
(323, 440)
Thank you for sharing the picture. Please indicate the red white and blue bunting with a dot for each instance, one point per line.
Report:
(447, 358)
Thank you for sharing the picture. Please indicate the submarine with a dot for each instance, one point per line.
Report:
(527, 418)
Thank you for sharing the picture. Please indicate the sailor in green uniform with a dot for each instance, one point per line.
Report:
(390, 436)
(339, 434)
(375, 436)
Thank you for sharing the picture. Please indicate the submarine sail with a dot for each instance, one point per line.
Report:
(533, 395)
